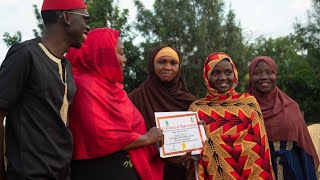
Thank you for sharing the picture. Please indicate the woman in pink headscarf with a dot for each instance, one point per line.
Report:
(292, 152)
(109, 133)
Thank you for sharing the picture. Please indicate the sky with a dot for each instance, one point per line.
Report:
(271, 18)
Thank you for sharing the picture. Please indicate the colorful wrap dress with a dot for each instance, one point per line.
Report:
(237, 144)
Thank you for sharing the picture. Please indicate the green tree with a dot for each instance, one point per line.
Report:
(40, 23)
(16, 38)
(236, 47)
(308, 37)
(296, 76)
(106, 13)
(11, 40)
(196, 27)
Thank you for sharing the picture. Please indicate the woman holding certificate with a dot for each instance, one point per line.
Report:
(237, 145)
(164, 91)
(109, 134)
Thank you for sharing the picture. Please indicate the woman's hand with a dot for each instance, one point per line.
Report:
(201, 122)
(154, 136)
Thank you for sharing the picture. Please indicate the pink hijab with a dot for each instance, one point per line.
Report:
(282, 116)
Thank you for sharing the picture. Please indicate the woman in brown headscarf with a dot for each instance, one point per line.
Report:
(292, 152)
(164, 91)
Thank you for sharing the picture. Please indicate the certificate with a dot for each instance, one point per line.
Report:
(182, 133)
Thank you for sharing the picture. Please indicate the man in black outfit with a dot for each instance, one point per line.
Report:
(36, 89)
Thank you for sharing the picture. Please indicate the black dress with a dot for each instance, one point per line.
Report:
(116, 166)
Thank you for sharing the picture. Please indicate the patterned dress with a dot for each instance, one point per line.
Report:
(237, 145)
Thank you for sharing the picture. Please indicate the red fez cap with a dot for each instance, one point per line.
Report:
(63, 5)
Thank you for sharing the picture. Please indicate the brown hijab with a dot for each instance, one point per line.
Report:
(282, 116)
(156, 96)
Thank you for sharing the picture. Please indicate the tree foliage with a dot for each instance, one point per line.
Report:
(197, 28)
(295, 74)
(40, 23)
(297, 56)
(11, 40)
(308, 37)
(105, 13)
(16, 38)
(200, 27)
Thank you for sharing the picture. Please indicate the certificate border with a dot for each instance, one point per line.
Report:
(181, 115)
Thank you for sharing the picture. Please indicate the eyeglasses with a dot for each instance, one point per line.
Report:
(86, 17)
